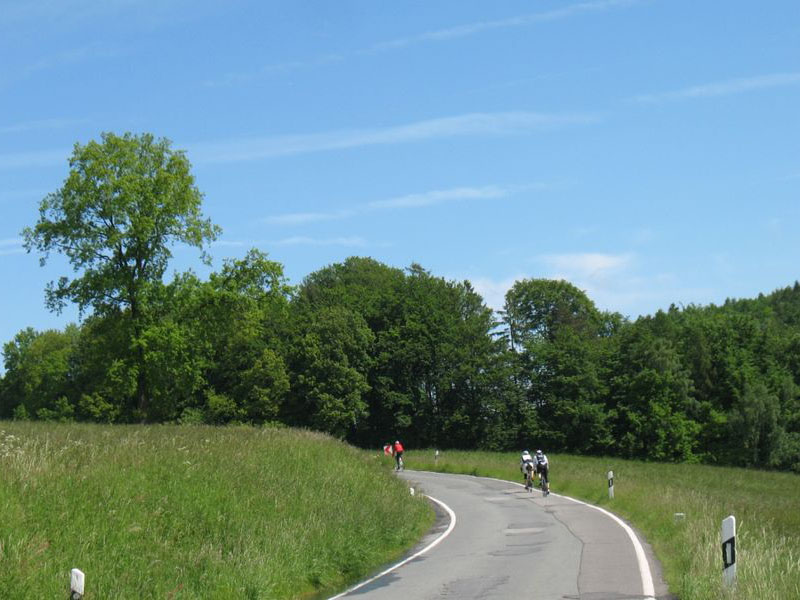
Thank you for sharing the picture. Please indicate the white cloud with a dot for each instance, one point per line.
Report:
(231, 244)
(352, 241)
(39, 125)
(623, 292)
(247, 76)
(460, 31)
(604, 277)
(420, 200)
(42, 158)
(612, 283)
(69, 57)
(31, 194)
(16, 11)
(643, 235)
(441, 196)
(302, 218)
(493, 291)
(723, 88)
(473, 124)
(11, 246)
(593, 265)
(309, 241)
(72, 12)
(440, 35)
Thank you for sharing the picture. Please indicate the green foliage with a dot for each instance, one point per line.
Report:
(62, 412)
(651, 395)
(125, 202)
(369, 352)
(220, 409)
(754, 422)
(537, 309)
(434, 366)
(330, 361)
(562, 340)
(39, 372)
(263, 387)
(20, 413)
(97, 408)
(240, 319)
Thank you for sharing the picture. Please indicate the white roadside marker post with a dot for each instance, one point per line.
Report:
(729, 551)
(76, 579)
(436, 457)
(611, 484)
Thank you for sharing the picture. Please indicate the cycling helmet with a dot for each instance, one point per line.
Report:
(539, 453)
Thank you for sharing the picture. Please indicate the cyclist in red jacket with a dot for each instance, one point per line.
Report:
(397, 450)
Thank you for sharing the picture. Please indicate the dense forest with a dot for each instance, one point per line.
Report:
(369, 352)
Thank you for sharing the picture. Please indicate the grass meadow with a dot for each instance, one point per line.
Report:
(766, 506)
(178, 512)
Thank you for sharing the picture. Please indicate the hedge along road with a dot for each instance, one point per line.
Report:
(510, 543)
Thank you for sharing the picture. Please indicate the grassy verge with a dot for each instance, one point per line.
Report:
(766, 507)
(194, 512)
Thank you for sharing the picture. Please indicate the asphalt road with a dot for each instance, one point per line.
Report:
(507, 543)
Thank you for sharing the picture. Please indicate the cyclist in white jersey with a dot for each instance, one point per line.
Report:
(524, 461)
(542, 466)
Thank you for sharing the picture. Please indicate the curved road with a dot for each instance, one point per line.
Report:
(508, 543)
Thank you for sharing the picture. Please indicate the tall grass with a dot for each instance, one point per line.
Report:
(193, 512)
(766, 506)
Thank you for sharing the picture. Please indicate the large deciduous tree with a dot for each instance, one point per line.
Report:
(241, 314)
(126, 201)
(330, 361)
(536, 309)
(559, 336)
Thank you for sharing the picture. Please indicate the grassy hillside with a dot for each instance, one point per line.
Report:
(766, 506)
(193, 512)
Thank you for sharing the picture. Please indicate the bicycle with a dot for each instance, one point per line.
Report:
(544, 484)
(400, 466)
(529, 478)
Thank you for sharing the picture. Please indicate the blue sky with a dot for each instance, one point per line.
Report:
(647, 151)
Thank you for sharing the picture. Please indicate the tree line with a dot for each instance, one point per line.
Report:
(369, 352)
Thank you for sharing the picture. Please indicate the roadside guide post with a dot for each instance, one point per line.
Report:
(611, 484)
(729, 551)
(76, 578)
(436, 457)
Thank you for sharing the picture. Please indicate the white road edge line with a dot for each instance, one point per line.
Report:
(648, 590)
(433, 544)
(644, 567)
